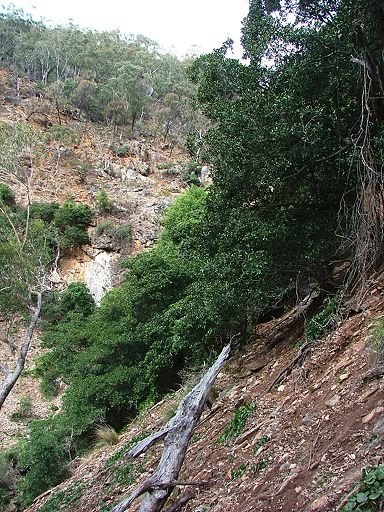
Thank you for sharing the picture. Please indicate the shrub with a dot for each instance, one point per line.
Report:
(82, 168)
(378, 342)
(103, 203)
(165, 166)
(24, 410)
(239, 471)
(120, 151)
(72, 220)
(191, 173)
(120, 233)
(237, 423)
(77, 298)
(259, 443)
(73, 214)
(6, 195)
(43, 211)
(73, 236)
(43, 457)
(61, 133)
(322, 322)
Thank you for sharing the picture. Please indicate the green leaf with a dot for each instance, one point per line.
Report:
(361, 497)
(373, 495)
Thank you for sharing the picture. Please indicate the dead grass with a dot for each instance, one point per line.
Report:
(106, 436)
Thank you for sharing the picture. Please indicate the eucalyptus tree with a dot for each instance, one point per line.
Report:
(25, 255)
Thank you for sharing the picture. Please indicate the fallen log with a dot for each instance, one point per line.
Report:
(176, 434)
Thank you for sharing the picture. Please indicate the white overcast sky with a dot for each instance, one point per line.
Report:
(177, 25)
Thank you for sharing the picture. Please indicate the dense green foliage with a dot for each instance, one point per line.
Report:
(130, 348)
(370, 494)
(72, 220)
(285, 142)
(25, 254)
(7, 197)
(69, 222)
(43, 457)
(273, 210)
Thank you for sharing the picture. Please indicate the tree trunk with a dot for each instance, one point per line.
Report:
(12, 376)
(177, 433)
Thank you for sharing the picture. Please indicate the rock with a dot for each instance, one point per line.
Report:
(128, 174)
(114, 170)
(257, 365)
(106, 242)
(98, 276)
(308, 418)
(368, 417)
(281, 388)
(320, 503)
(333, 401)
(55, 277)
(343, 376)
(143, 168)
(298, 490)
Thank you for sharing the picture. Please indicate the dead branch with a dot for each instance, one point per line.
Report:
(177, 434)
(181, 502)
(293, 322)
(144, 445)
(288, 369)
(11, 377)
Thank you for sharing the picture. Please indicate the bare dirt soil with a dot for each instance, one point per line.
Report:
(302, 449)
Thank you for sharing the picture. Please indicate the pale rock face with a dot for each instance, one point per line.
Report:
(98, 276)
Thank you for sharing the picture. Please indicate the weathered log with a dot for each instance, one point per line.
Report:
(177, 433)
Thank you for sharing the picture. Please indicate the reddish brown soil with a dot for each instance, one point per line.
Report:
(324, 423)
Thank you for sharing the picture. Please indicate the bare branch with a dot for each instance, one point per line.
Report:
(11, 378)
(177, 433)
(181, 502)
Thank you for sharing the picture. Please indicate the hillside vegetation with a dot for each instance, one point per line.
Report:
(121, 80)
(294, 215)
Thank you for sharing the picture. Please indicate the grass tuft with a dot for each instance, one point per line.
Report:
(106, 435)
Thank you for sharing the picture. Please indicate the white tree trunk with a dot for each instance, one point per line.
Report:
(177, 433)
(11, 376)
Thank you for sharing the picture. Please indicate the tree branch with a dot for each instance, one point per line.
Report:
(177, 433)
(12, 376)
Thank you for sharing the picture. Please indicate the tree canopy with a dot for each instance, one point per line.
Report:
(113, 78)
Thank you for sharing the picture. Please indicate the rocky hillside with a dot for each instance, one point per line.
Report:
(286, 433)
(78, 159)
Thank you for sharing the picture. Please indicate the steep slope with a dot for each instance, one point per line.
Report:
(78, 159)
(302, 447)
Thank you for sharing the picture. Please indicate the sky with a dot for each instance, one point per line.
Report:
(180, 26)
